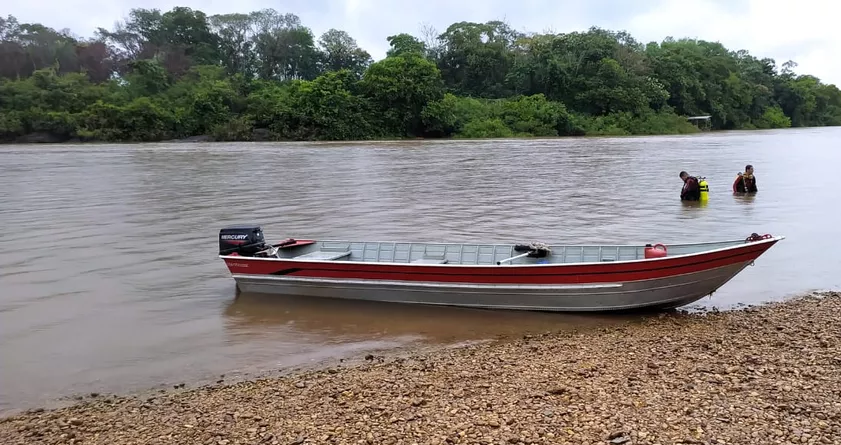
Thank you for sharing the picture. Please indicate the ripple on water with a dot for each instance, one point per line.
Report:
(109, 278)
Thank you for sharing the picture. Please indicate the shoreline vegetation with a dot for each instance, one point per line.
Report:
(264, 76)
(765, 374)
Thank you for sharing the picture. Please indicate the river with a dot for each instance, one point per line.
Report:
(109, 279)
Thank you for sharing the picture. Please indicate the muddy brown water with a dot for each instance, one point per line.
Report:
(109, 280)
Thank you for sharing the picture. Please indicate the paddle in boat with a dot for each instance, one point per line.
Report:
(532, 276)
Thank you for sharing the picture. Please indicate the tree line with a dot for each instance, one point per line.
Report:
(265, 76)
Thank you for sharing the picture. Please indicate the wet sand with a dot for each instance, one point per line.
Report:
(769, 374)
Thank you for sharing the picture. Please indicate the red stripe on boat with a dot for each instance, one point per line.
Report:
(607, 272)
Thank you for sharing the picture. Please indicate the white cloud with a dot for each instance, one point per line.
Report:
(803, 31)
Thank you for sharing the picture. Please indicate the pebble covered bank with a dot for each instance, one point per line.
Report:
(763, 375)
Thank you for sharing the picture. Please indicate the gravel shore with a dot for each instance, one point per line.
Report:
(769, 375)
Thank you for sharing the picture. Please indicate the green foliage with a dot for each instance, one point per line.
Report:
(339, 52)
(11, 125)
(325, 109)
(239, 128)
(399, 88)
(773, 117)
(627, 123)
(404, 44)
(180, 73)
(486, 128)
(448, 115)
(535, 116)
(519, 116)
(59, 123)
(146, 78)
(141, 120)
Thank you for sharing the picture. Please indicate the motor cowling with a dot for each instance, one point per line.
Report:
(242, 240)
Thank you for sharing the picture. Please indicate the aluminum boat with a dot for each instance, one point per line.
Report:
(527, 276)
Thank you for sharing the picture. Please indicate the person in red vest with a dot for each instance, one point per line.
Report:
(691, 190)
(745, 182)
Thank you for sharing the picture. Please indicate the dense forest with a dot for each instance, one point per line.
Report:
(265, 76)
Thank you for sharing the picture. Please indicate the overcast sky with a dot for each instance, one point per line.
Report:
(804, 31)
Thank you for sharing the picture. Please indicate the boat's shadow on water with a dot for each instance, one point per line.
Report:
(337, 319)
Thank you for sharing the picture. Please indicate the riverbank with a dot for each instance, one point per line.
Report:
(589, 127)
(47, 140)
(759, 375)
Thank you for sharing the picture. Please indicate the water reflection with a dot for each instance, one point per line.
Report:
(745, 198)
(253, 316)
(693, 209)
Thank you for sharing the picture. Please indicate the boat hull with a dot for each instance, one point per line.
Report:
(578, 287)
(661, 293)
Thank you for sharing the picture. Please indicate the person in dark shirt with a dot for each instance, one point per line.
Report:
(691, 191)
(745, 182)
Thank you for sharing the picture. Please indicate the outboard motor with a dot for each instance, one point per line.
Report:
(242, 240)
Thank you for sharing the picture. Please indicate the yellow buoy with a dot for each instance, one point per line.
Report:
(705, 189)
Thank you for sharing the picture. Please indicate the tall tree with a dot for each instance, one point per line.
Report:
(235, 34)
(285, 48)
(340, 52)
(476, 57)
(400, 87)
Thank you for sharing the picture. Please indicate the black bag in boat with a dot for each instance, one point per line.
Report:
(534, 250)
